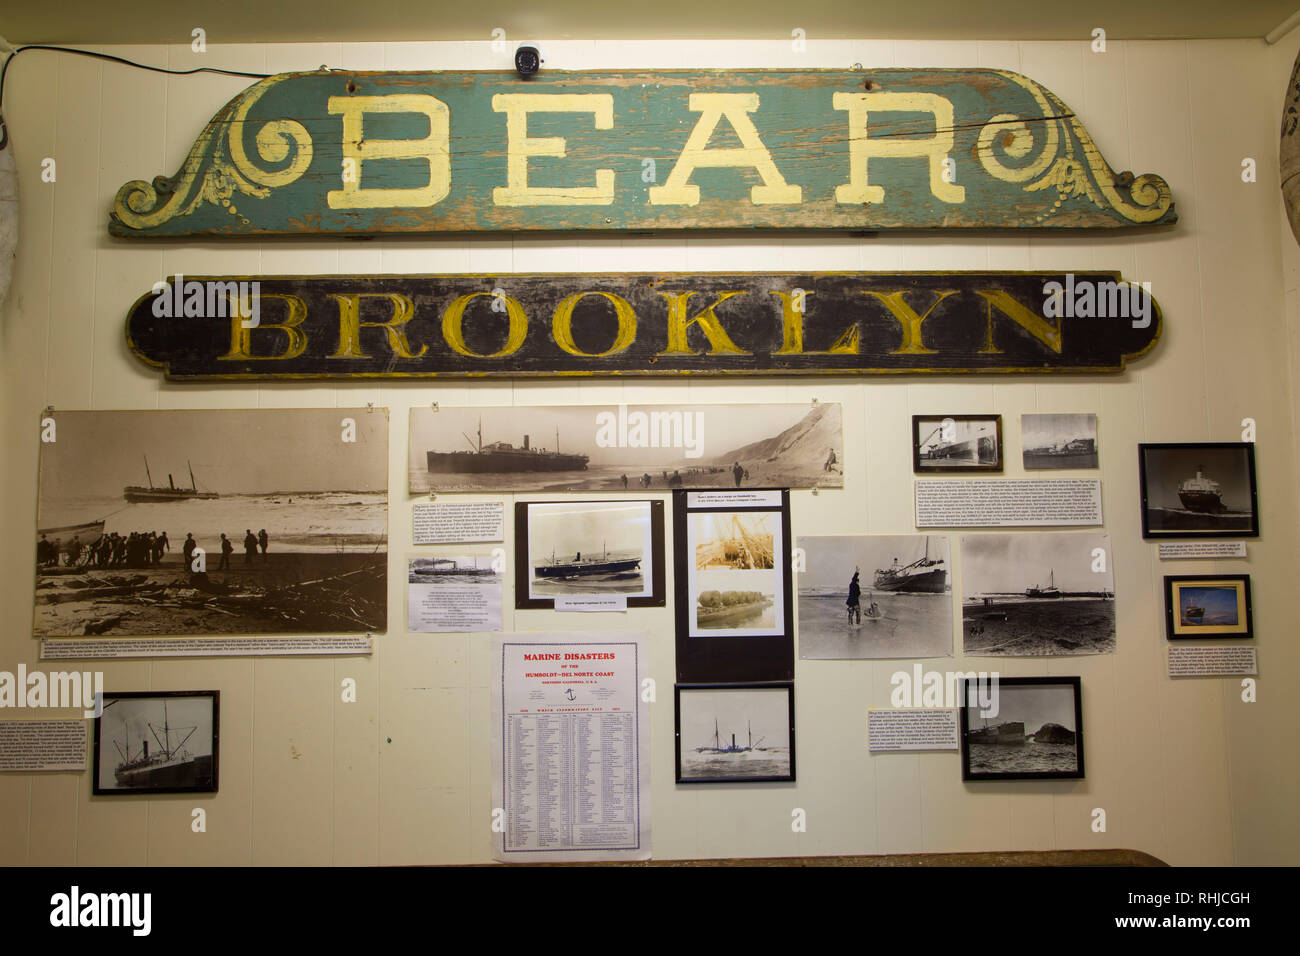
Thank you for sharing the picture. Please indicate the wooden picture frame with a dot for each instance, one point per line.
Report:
(1198, 490)
(1208, 606)
(956, 444)
(638, 525)
(735, 755)
(1005, 753)
(183, 759)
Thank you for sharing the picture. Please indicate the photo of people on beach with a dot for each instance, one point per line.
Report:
(257, 521)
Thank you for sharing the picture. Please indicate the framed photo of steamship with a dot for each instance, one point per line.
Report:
(1208, 606)
(150, 742)
(1198, 490)
(956, 443)
(589, 555)
(1021, 728)
(735, 733)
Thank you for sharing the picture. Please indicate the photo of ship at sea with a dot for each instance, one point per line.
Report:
(589, 547)
(1035, 732)
(867, 597)
(213, 522)
(1208, 606)
(1037, 595)
(735, 734)
(1198, 489)
(156, 743)
(624, 447)
(1059, 441)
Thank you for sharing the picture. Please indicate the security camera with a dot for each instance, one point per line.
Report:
(528, 60)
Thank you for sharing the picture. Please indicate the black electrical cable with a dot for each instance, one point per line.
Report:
(110, 58)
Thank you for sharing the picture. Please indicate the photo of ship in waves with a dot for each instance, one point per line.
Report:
(1030, 729)
(152, 493)
(756, 745)
(1206, 488)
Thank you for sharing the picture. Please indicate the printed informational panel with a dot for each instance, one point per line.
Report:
(259, 521)
(352, 153)
(625, 447)
(571, 769)
(734, 601)
(454, 594)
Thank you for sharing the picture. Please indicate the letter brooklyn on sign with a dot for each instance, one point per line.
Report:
(394, 326)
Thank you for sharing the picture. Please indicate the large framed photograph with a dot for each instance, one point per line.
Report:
(956, 443)
(157, 742)
(579, 552)
(1198, 490)
(1033, 729)
(1045, 594)
(1208, 606)
(871, 597)
(198, 522)
(1058, 441)
(735, 733)
(734, 602)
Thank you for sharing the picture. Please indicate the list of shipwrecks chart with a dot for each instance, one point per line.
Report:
(278, 525)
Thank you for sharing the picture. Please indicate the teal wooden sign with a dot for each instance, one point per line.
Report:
(344, 153)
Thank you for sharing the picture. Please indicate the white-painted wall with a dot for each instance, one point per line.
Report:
(1185, 770)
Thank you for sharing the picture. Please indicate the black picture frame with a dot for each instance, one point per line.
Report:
(972, 770)
(729, 654)
(749, 764)
(170, 776)
(525, 600)
(1164, 470)
(923, 426)
(1181, 597)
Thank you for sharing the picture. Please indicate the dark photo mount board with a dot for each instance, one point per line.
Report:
(731, 659)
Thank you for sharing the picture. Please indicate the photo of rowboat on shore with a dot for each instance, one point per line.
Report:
(1037, 595)
(162, 523)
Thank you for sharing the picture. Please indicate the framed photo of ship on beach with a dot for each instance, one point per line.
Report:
(589, 555)
(956, 444)
(1198, 490)
(1021, 728)
(1199, 606)
(734, 601)
(148, 742)
(735, 733)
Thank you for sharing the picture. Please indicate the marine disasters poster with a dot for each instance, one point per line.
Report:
(571, 766)
(625, 447)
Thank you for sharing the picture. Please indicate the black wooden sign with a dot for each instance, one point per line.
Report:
(395, 326)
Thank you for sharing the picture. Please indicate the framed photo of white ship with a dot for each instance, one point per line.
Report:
(577, 549)
(1034, 732)
(956, 444)
(1200, 606)
(1198, 490)
(149, 742)
(734, 600)
(735, 733)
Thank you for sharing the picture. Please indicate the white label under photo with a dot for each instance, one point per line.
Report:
(42, 745)
(922, 728)
(1173, 550)
(456, 522)
(1007, 502)
(159, 647)
(1209, 660)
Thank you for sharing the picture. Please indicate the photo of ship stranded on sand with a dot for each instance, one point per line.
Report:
(213, 522)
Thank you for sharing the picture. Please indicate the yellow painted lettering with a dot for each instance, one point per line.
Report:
(454, 333)
(752, 154)
(934, 149)
(241, 338)
(435, 149)
(680, 322)
(350, 324)
(1033, 323)
(909, 319)
(792, 331)
(519, 147)
(562, 325)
